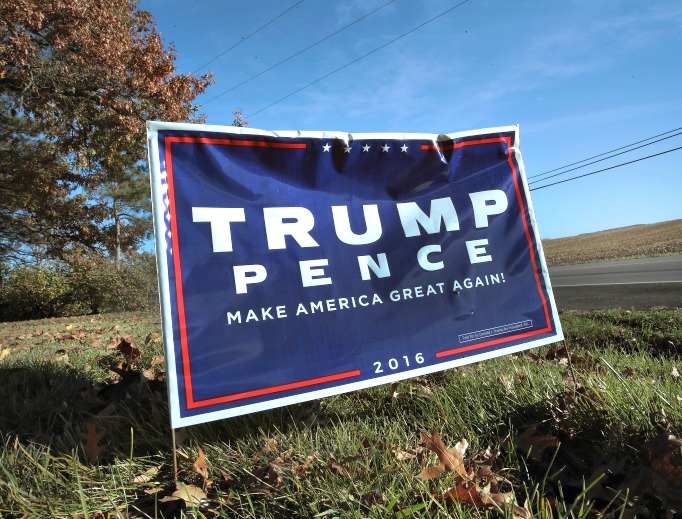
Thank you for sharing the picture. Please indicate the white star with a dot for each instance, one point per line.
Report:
(347, 149)
(385, 148)
(365, 148)
(326, 147)
(403, 148)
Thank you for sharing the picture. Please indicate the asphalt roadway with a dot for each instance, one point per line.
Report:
(639, 283)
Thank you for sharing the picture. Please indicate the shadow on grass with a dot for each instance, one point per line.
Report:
(49, 404)
(34, 400)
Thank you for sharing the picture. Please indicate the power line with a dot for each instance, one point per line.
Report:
(244, 38)
(297, 54)
(603, 159)
(605, 153)
(357, 59)
(607, 169)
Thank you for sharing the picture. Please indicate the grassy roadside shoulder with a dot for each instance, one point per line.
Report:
(584, 427)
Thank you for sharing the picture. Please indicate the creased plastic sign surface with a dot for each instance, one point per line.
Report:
(298, 265)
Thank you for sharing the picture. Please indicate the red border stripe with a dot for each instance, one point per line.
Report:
(275, 389)
(524, 212)
(461, 144)
(519, 199)
(480, 345)
(178, 272)
(237, 142)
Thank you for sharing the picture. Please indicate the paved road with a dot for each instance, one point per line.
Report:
(641, 283)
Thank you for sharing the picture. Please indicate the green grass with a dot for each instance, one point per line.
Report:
(354, 455)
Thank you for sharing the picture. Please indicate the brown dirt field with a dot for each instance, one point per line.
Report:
(637, 241)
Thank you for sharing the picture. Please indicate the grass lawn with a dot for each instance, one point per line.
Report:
(584, 428)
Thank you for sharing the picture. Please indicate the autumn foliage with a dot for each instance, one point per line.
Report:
(78, 80)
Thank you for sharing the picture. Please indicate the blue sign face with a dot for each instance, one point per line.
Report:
(300, 265)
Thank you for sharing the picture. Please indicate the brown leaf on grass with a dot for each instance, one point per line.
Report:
(303, 467)
(340, 467)
(147, 476)
(153, 372)
(663, 454)
(269, 448)
(659, 477)
(534, 444)
(92, 438)
(487, 496)
(130, 352)
(394, 390)
(124, 369)
(372, 497)
(464, 492)
(151, 338)
(404, 455)
(263, 479)
(190, 494)
(225, 477)
(149, 374)
(522, 512)
(200, 466)
(451, 460)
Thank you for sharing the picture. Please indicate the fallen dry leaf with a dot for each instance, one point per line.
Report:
(303, 467)
(151, 338)
(488, 496)
(465, 492)
(130, 352)
(451, 460)
(200, 466)
(190, 494)
(476, 483)
(147, 476)
(153, 372)
(92, 438)
(663, 454)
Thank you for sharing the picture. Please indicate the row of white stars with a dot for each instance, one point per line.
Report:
(366, 148)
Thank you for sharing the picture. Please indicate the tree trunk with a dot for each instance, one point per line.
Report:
(117, 236)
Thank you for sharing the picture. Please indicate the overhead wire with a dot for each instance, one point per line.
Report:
(606, 169)
(602, 159)
(605, 153)
(399, 38)
(297, 53)
(244, 38)
(357, 59)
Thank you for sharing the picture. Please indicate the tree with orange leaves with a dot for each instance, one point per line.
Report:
(78, 80)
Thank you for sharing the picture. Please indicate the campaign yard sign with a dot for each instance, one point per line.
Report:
(298, 265)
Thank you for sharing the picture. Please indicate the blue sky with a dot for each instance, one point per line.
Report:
(579, 77)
